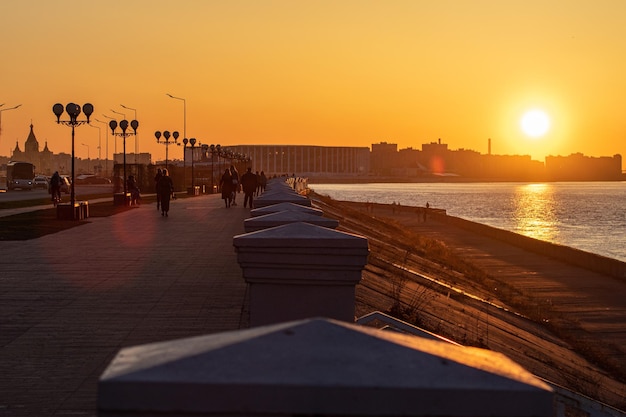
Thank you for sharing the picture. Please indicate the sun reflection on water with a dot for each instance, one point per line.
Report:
(534, 213)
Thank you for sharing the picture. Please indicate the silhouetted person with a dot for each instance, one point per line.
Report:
(157, 177)
(263, 181)
(166, 188)
(234, 174)
(258, 184)
(55, 187)
(133, 189)
(226, 185)
(248, 184)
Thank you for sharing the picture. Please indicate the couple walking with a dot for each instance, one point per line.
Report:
(164, 190)
(231, 184)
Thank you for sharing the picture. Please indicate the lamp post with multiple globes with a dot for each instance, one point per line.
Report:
(192, 142)
(124, 134)
(185, 142)
(166, 141)
(137, 135)
(215, 149)
(73, 111)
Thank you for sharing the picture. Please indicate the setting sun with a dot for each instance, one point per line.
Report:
(535, 123)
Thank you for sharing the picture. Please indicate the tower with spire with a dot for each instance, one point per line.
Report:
(41, 159)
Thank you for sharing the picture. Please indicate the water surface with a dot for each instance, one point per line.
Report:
(590, 216)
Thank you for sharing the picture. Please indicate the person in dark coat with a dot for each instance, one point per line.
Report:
(226, 184)
(165, 189)
(157, 177)
(234, 175)
(249, 183)
(263, 181)
(133, 189)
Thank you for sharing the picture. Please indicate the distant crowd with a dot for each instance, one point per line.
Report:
(251, 184)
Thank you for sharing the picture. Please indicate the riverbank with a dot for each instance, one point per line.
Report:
(560, 321)
(381, 179)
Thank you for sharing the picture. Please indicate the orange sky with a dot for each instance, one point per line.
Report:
(343, 73)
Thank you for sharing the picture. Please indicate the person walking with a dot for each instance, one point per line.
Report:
(234, 175)
(133, 189)
(165, 189)
(258, 184)
(263, 181)
(226, 185)
(248, 184)
(157, 177)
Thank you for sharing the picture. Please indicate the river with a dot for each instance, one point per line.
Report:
(590, 216)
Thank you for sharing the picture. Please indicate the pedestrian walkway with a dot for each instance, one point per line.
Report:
(69, 301)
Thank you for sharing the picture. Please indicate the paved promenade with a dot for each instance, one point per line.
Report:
(69, 301)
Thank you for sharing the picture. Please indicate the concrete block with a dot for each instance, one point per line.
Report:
(317, 367)
(301, 270)
(284, 217)
(274, 208)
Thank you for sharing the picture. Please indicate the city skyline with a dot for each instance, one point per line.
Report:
(348, 73)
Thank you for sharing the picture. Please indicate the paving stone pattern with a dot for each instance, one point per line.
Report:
(69, 301)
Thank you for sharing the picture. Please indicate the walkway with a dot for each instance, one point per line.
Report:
(69, 301)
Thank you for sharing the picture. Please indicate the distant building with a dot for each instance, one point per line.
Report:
(578, 167)
(43, 160)
(307, 159)
(437, 160)
(46, 162)
(384, 158)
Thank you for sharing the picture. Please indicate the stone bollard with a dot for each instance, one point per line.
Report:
(285, 217)
(269, 198)
(301, 270)
(274, 208)
(317, 367)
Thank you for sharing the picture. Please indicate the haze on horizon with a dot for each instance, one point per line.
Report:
(332, 73)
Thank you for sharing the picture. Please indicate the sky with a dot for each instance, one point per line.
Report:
(318, 72)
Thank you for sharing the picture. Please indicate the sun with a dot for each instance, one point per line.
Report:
(535, 123)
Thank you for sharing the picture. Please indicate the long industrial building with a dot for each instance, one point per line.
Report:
(307, 159)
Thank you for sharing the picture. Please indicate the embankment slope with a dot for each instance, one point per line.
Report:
(560, 321)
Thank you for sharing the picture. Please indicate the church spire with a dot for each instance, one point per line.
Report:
(31, 145)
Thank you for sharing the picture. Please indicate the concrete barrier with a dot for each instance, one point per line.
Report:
(274, 208)
(301, 270)
(317, 367)
(285, 217)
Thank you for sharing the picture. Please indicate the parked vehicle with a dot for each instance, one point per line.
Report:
(91, 179)
(40, 182)
(66, 184)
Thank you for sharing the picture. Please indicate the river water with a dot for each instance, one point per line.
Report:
(590, 216)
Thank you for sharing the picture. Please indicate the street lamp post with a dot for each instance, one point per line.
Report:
(120, 113)
(99, 147)
(10, 108)
(73, 111)
(166, 141)
(113, 118)
(218, 148)
(192, 142)
(212, 149)
(137, 135)
(106, 156)
(88, 157)
(124, 126)
(114, 141)
(185, 142)
(184, 113)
